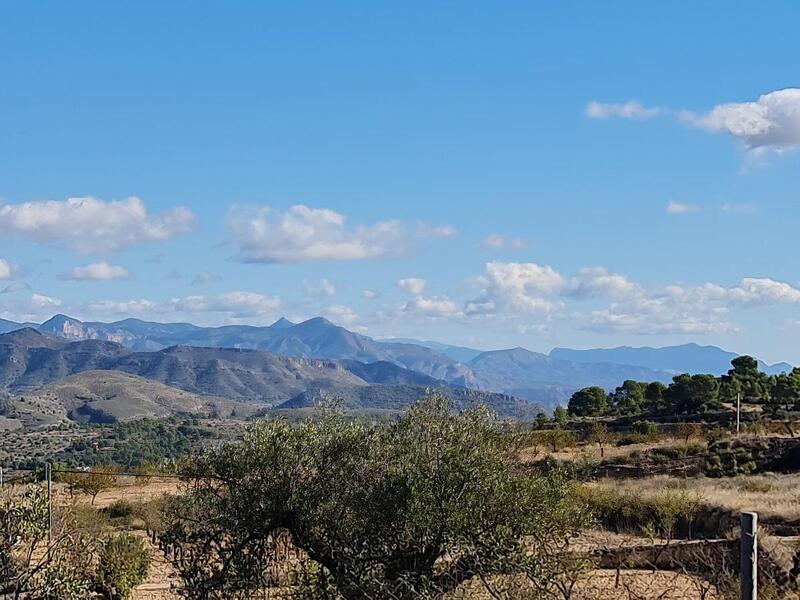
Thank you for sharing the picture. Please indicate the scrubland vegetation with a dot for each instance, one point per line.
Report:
(617, 503)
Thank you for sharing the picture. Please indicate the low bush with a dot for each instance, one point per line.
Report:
(663, 515)
(124, 563)
(119, 512)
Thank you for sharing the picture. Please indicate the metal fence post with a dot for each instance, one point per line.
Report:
(48, 473)
(748, 570)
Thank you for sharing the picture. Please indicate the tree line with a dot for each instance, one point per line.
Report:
(693, 394)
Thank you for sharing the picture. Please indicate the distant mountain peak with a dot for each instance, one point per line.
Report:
(282, 323)
(58, 320)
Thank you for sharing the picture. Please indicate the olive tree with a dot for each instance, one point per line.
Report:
(408, 510)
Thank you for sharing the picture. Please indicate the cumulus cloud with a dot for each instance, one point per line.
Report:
(437, 306)
(593, 282)
(515, 286)
(629, 110)
(659, 315)
(42, 301)
(90, 225)
(319, 289)
(303, 234)
(770, 123)
(97, 272)
(369, 294)
(761, 291)
(680, 208)
(342, 315)
(690, 309)
(236, 304)
(497, 241)
(412, 285)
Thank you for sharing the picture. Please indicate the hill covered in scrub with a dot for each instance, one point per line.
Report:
(111, 396)
(86, 380)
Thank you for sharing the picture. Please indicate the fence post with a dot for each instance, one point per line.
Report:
(48, 473)
(748, 570)
(1, 476)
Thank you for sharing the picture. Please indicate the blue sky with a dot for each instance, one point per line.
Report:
(449, 142)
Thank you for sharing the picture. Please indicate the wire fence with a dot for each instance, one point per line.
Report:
(676, 569)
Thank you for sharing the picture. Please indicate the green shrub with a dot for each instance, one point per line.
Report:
(627, 512)
(124, 563)
(648, 429)
(756, 486)
(119, 512)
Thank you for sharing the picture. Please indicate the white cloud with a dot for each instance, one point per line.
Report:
(436, 231)
(497, 241)
(125, 307)
(772, 122)
(437, 306)
(629, 110)
(97, 272)
(369, 294)
(319, 289)
(341, 315)
(236, 304)
(6, 270)
(763, 291)
(41, 301)
(412, 285)
(240, 304)
(516, 287)
(679, 208)
(741, 208)
(690, 309)
(593, 282)
(90, 225)
(205, 277)
(302, 234)
(659, 315)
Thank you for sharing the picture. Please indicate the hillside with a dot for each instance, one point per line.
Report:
(30, 360)
(315, 338)
(110, 396)
(396, 398)
(686, 358)
(541, 378)
(547, 379)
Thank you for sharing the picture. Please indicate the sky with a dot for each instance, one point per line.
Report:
(578, 174)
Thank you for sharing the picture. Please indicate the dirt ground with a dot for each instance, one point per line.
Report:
(600, 584)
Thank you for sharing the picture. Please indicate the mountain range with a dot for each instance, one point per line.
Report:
(548, 379)
(36, 366)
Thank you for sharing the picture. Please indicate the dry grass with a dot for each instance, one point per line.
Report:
(591, 452)
(772, 496)
(604, 584)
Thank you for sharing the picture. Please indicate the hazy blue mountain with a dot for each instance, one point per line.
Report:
(6, 326)
(541, 378)
(315, 338)
(282, 323)
(549, 379)
(686, 358)
(460, 353)
(30, 359)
